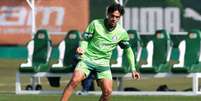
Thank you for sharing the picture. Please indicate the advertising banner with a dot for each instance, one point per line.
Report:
(175, 16)
(54, 15)
(146, 16)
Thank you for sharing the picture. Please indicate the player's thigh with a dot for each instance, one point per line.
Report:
(81, 70)
(78, 76)
(104, 75)
(105, 85)
(105, 80)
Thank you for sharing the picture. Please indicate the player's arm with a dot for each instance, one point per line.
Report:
(86, 37)
(131, 58)
(129, 54)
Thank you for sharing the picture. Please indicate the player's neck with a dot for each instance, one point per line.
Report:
(108, 26)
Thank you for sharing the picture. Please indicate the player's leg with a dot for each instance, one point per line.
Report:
(75, 80)
(79, 74)
(105, 82)
(106, 87)
(87, 84)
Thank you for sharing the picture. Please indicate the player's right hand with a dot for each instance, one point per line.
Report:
(135, 75)
(80, 51)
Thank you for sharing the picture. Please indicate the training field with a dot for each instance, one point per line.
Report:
(12, 97)
(7, 88)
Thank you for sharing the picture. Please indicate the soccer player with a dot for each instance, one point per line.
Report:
(99, 39)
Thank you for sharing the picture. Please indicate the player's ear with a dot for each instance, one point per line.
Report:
(106, 12)
(107, 16)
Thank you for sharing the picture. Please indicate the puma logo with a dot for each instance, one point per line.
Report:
(190, 13)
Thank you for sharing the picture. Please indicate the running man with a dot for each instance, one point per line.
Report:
(99, 39)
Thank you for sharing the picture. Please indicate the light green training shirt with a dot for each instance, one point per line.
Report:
(98, 50)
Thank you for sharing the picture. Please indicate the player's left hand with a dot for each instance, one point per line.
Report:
(80, 51)
(135, 75)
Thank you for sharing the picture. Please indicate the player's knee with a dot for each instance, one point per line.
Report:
(74, 82)
(107, 92)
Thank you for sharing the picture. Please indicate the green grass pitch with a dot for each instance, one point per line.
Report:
(7, 87)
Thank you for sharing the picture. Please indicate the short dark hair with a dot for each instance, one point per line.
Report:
(115, 7)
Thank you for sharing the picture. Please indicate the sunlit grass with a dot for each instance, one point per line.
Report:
(7, 87)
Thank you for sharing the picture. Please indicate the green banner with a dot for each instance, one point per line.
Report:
(146, 16)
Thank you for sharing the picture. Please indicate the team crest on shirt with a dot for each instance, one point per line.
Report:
(114, 38)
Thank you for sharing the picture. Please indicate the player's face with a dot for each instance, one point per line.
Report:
(113, 18)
